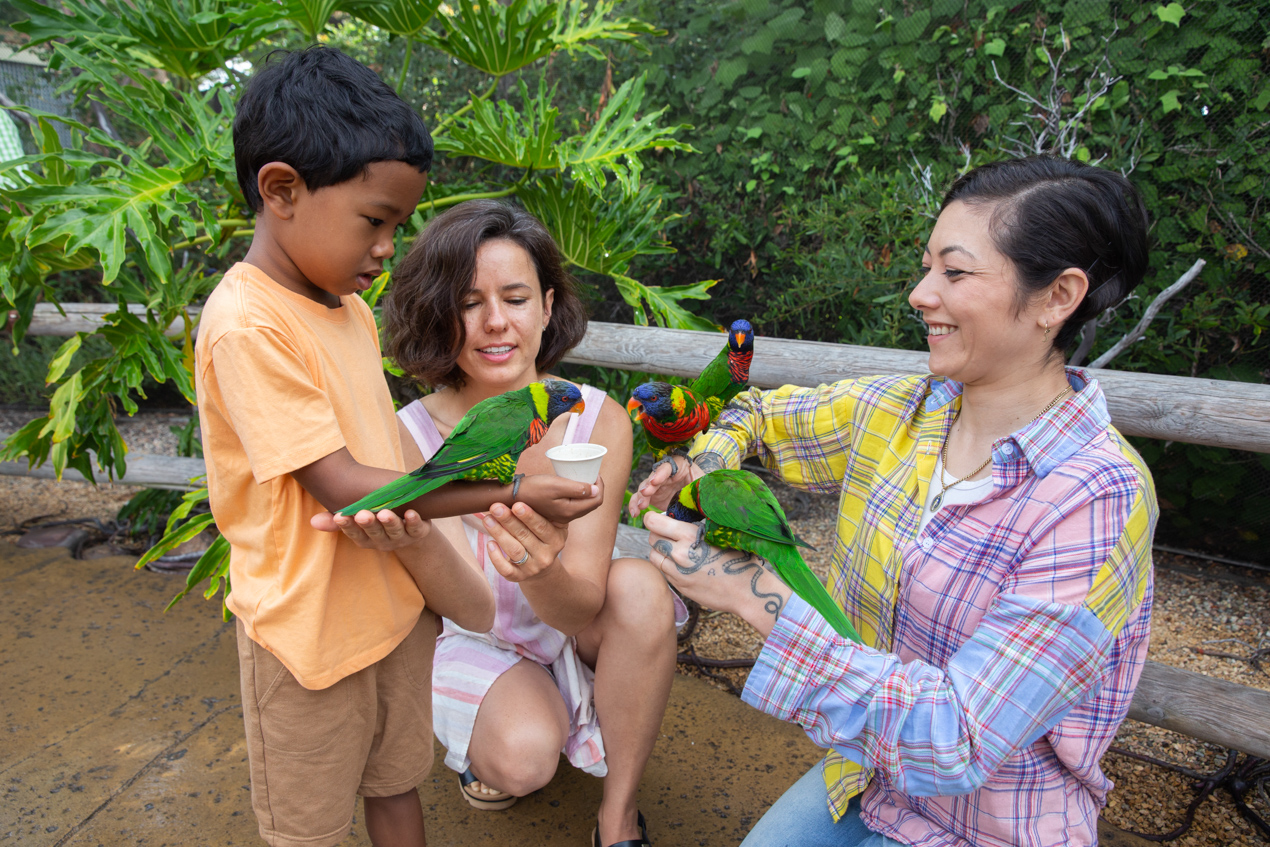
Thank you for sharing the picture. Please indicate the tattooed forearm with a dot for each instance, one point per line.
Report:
(709, 462)
(732, 562)
(772, 603)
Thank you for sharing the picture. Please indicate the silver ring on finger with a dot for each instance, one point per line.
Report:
(524, 558)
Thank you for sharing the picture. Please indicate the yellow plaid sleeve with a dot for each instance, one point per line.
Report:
(802, 433)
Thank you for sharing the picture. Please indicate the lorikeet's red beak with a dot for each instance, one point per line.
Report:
(578, 407)
(740, 338)
(632, 405)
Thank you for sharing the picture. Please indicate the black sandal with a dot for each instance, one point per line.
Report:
(642, 841)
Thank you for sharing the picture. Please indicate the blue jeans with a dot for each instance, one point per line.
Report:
(800, 818)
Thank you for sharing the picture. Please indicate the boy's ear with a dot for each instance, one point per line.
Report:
(279, 185)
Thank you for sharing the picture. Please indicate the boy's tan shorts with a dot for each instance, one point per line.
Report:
(312, 752)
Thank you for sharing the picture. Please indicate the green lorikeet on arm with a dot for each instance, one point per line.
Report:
(484, 445)
(739, 511)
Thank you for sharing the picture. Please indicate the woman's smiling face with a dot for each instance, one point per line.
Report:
(504, 315)
(968, 297)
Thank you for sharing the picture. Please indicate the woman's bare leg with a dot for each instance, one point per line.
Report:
(519, 731)
(631, 646)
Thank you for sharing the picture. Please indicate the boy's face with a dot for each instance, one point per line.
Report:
(335, 239)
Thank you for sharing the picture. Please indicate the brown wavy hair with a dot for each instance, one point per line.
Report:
(422, 313)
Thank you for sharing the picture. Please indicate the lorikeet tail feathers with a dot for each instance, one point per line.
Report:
(394, 494)
(806, 585)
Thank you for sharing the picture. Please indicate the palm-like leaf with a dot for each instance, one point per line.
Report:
(494, 38)
(310, 15)
(616, 139)
(602, 235)
(498, 133)
(189, 131)
(576, 30)
(406, 18)
(186, 38)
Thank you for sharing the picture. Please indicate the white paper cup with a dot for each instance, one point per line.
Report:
(580, 462)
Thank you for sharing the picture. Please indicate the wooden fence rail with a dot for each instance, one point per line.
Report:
(1219, 413)
(1198, 411)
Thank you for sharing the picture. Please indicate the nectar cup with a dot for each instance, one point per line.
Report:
(579, 462)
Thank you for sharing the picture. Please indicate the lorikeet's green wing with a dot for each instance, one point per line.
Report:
(793, 571)
(742, 500)
(485, 444)
(742, 512)
(715, 378)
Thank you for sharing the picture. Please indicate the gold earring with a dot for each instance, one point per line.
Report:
(1047, 329)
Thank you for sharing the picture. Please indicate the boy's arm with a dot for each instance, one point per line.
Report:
(338, 479)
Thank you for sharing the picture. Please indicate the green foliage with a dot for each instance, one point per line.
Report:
(833, 129)
(152, 508)
(156, 207)
(160, 212)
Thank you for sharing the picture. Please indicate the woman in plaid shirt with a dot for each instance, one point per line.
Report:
(993, 544)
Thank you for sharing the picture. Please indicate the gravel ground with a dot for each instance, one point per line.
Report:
(1196, 602)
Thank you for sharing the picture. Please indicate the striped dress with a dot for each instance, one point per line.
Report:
(467, 663)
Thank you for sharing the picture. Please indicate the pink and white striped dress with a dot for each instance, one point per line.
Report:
(467, 663)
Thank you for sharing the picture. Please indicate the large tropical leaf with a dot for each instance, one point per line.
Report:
(494, 38)
(576, 30)
(664, 304)
(602, 234)
(191, 129)
(616, 138)
(186, 38)
(310, 15)
(406, 18)
(103, 213)
(498, 133)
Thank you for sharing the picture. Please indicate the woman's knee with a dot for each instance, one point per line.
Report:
(519, 761)
(637, 597)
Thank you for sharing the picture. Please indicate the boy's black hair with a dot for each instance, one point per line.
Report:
(326, 115)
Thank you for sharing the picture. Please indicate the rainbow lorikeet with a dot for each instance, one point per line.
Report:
(484, 445)
(739, 511)
(729, 370)
(672, 415)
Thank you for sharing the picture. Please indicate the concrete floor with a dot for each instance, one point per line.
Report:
(122, 726)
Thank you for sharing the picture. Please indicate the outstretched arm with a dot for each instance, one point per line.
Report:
(338, 479)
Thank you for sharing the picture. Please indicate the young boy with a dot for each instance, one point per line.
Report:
(335, 642)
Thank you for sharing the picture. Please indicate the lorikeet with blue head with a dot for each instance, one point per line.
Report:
(485, 444)
(739, 511)
(672, 415)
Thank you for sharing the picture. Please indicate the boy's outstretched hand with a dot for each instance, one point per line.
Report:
(560, 500)
(376, 531)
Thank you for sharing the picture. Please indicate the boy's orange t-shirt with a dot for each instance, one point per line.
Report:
(283, 381)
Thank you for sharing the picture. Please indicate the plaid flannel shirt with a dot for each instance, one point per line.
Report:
(1007, 637)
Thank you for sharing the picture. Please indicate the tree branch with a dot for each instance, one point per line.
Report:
(1149, 315)
(1087, 335)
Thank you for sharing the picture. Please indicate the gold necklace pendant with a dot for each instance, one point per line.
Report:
(943, 452)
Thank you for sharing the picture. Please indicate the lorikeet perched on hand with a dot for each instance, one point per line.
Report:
(672, 415)
(484, 445)
(741, 512)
